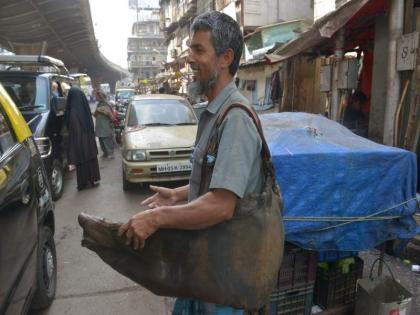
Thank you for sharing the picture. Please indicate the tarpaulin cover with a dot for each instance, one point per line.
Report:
(341, 191)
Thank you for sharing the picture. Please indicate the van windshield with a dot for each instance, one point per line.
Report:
(28, 93)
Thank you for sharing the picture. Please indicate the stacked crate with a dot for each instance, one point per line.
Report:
(295, 285)
(336, 280)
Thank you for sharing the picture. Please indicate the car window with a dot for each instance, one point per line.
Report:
(28, 93)
(7, 139)
(124, 94)
(160, 112)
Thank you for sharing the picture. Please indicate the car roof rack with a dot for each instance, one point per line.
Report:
(37, 61)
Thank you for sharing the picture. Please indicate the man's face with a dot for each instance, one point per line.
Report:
(203, 62)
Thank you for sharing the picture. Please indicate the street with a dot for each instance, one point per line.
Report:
(85, 284)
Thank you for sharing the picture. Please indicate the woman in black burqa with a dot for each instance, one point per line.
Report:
(82, 150)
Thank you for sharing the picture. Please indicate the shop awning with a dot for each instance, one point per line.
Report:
(164, 77)
(351, 15)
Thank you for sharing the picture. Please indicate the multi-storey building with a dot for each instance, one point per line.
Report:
(175, 20)
(176, 17)
(146, 52)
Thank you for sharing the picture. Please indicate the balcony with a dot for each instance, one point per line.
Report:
(179, 15)
(169, 20)
(186, 10)
(134, 64)
(221, 4)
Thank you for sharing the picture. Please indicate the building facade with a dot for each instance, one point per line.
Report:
(176, 17)
(146, 52)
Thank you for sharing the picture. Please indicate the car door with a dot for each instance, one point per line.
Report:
(18, 222)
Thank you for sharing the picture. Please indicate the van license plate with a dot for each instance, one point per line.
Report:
(174, 167)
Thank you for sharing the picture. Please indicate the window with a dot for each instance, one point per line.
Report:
(7, 139)
(161, 112)
(28, 93)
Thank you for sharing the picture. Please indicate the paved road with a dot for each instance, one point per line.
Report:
(86, 285)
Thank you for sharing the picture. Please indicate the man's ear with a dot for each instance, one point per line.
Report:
(227, 58)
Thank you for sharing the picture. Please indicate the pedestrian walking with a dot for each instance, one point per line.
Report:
(82, 150)
(104, 129)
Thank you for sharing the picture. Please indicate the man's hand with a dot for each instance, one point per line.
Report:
(162, 197)
(138, 229)
(217, 205)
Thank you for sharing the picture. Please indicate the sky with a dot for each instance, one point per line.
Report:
(112, 20)
(322, 7)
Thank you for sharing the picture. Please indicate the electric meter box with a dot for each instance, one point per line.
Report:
(348, 70)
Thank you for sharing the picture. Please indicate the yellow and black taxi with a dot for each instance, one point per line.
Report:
(28, 262)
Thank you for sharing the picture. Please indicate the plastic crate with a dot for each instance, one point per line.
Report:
(298, 267)
(297, 301)
(332, 255)
(333, 287)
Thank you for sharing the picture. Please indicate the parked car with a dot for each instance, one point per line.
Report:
(28, 262)
(123, 96)
(29, 80)
(119, 126)
(158, 138)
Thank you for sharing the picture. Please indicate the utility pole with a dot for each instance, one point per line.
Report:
(396, 23)
(336, 93)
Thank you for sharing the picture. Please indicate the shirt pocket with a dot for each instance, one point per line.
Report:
(197, 163)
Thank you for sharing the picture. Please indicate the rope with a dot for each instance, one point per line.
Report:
(348, 220)
(338, 219)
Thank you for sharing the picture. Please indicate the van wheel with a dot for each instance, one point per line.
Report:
(46, 273)
(56, 180)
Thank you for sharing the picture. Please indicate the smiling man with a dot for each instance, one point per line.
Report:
(215, 51)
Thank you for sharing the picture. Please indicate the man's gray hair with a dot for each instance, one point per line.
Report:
(225, 33)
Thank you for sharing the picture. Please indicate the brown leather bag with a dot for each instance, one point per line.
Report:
(232, 263)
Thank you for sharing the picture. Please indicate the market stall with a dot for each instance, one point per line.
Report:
(342, 194)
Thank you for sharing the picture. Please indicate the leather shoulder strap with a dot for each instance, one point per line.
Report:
(213, 144)
(265, 152)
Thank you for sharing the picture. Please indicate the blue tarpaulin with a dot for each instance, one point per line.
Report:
(341, 191)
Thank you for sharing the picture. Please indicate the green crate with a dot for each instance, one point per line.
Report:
(335, 287)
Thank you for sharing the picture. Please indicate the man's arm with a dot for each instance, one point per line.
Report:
(166, 196)
(181, 193)
(216, 206)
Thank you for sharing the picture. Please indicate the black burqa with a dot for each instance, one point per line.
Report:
(82, 150)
